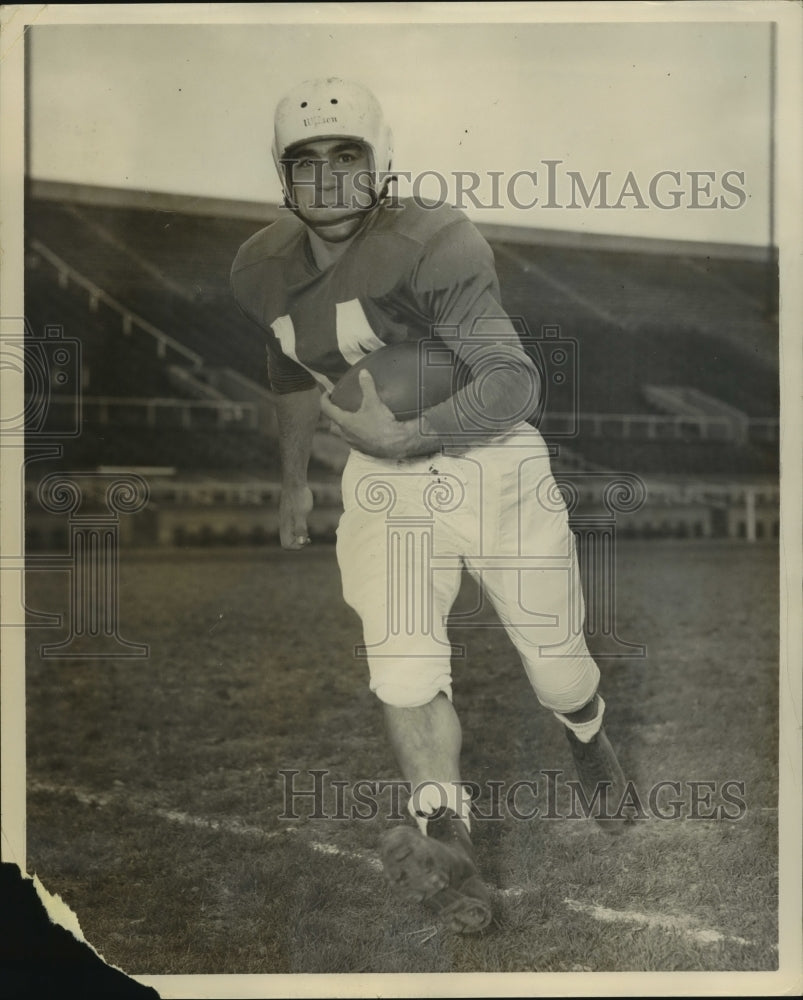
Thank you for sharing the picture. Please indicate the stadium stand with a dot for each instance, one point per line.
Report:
(674, 353)
(672, 319)
(113, 363)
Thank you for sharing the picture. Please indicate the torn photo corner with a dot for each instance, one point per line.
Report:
(44, 951)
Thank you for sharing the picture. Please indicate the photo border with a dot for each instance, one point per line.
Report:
(789, 215)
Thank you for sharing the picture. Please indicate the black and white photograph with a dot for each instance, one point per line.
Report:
(401, 514)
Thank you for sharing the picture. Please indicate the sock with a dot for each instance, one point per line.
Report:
(585, 731)
(429, 797)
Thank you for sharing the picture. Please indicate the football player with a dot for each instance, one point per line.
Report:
(345, 271)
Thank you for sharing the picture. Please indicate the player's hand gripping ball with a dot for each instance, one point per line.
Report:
(409, 378)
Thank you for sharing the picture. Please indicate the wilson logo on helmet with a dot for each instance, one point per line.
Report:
(319, 120)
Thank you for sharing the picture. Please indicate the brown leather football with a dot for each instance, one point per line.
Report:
(410, 377)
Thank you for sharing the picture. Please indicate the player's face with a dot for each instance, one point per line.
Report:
(330, 182)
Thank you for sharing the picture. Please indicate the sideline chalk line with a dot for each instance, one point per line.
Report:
(603, 914)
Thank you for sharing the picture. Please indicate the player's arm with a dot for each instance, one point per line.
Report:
(297, 415)
(456, 286)
(503, 390)
(297, 402)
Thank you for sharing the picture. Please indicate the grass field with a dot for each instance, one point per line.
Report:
(155, 794)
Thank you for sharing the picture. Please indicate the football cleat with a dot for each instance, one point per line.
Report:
(602, 779)
(439, 871)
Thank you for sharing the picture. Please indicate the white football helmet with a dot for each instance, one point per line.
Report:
(331, 109)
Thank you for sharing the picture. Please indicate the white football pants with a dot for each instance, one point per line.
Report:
(408, 529)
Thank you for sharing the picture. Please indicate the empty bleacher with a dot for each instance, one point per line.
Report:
(198, 314)
(691, 458)
(113, 363)
(136, 410)
(635, 320)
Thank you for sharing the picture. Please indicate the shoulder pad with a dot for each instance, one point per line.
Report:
(417, 219)
(272, 241)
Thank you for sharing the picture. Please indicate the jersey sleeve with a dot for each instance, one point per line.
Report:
(456, 286)
(454, 281)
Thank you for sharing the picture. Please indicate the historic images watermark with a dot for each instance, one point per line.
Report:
(49, 364)
(551, 186)
(316, 795)
(411, 503)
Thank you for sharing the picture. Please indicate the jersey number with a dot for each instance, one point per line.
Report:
(355, 338)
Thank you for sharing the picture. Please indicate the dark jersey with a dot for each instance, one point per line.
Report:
(411, 272)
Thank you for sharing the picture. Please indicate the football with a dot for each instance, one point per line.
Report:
(410, 377)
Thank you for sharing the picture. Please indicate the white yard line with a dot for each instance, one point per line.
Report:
(202, 823)
(228, 826)
(84, 797)
(360, 856)
(604, 914)
(683, 925)
(171, 815)
(514, 892)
